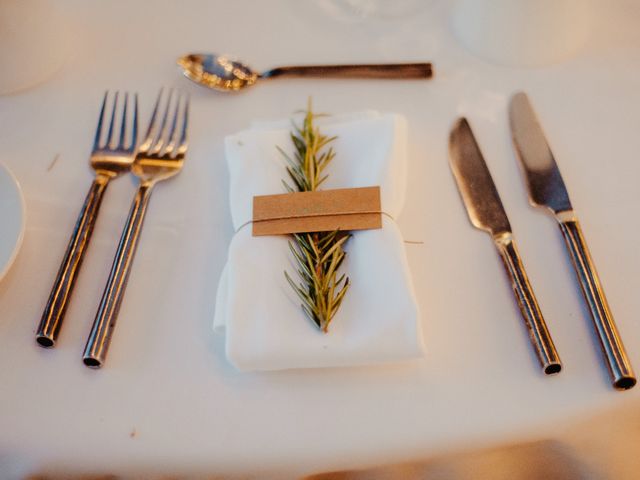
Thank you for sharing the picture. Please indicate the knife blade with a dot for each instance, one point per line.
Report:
(474, 181)
(547, 189)
(485, 210)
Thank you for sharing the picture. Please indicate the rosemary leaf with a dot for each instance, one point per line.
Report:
(337, 245)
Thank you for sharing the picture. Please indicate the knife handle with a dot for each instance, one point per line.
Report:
(612, 347)
(533, 319)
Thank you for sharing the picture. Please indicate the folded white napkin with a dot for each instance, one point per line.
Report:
(257, 309)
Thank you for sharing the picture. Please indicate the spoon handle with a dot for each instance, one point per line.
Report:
(388, 70)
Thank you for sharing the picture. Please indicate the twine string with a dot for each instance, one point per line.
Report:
(249, 222)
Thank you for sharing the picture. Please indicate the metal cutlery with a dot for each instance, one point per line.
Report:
(108, 159)
(159, 157)
(547, 189)
(486, 212)
(225, 74)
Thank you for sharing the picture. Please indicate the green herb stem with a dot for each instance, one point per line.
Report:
(319, 255)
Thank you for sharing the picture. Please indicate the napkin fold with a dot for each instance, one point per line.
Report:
(256, 309)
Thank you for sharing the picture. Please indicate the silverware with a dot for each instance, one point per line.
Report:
(109, 160)
(486, 213)
(225, 74)
(160, 157)
(547, 189)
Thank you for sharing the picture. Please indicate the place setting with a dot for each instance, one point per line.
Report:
(392, 252)
(314, 201)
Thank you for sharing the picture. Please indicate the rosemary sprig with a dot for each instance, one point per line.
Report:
(319, 255)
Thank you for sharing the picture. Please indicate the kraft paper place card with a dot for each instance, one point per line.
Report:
(320, 211)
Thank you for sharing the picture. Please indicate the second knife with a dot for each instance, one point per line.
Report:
(547, 189)
(486, 212)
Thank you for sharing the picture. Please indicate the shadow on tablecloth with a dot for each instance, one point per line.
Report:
(606, 447)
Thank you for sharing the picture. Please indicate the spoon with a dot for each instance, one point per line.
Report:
(222, 73)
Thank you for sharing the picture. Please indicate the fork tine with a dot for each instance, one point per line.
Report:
(96, 142)
(123, 123)
(111, 123)
(182, 148)
(161, 137)
(173, 133)
(152, 122)
(134, 130)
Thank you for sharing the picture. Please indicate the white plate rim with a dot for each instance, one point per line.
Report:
(23, 222)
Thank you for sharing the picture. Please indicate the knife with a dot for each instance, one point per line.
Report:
(547, 189)
(486, 212)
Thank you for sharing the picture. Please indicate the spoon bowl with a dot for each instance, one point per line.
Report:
(217, 72)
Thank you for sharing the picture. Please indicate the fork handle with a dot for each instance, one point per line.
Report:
(99, 339)
(54, 312)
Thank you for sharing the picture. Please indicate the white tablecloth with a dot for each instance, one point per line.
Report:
(166, 400)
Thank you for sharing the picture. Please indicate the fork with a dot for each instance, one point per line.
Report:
(108, 160)
(160, 157)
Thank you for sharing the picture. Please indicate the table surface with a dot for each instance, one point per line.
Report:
(167, 401)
